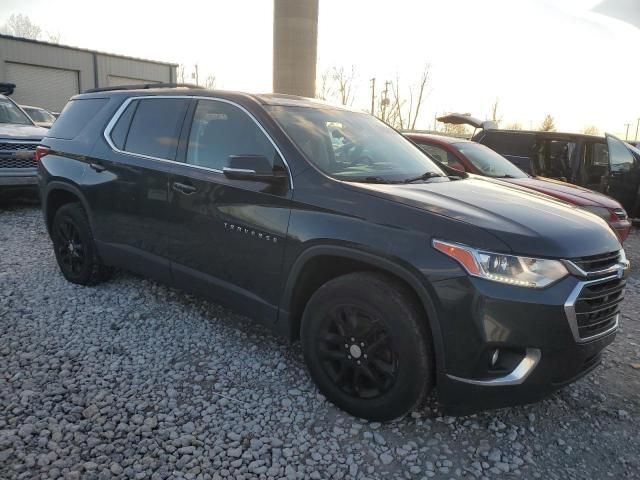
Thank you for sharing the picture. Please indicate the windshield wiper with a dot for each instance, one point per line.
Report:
(371, 179)
(504, 176)
(424, 176)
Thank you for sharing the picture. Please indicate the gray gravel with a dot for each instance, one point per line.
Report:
(133, 379)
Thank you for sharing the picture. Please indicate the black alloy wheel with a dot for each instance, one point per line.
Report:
(357, 353)
(71, 251)
(367, 345)
(75, 248)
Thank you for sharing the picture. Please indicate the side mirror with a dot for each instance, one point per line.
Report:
(253, 168)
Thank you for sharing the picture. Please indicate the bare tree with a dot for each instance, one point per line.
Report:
(210, 82)
(403, 112)
(513, 126)
(453, 130)
(548, 124)
(21, 26)
(53, 37)
(344, 84)
(591, 130)
(181, 73)
(323, 86)
(494, 113)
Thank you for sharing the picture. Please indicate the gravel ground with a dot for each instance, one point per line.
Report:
(133, 379)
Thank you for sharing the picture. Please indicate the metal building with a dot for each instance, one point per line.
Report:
(47, 74)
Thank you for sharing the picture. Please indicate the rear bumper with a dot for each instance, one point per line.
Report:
(18, 177)
(531, 329)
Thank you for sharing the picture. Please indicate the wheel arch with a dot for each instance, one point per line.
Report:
(319, 264)
(58, 194)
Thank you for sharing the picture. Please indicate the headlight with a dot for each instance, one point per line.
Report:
(498, 267)
(601, 212)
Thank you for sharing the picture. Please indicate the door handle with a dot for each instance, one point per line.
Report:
(183, 188)
(97, 167)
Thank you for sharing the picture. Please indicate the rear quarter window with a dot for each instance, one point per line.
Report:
(509, 143)
(75, 116)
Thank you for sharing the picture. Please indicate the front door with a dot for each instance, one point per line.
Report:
(228, 236)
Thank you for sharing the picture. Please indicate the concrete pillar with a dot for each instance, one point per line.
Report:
(295, 46)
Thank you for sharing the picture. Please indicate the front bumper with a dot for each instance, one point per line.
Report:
(18, 177)
(532, 329)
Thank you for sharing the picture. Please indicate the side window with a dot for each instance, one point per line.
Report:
(509, 143)
(219, 130)
(438, 153)
(620, 157)
(155, 127)
(121, 128)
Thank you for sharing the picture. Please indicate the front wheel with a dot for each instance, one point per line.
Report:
(366, 346)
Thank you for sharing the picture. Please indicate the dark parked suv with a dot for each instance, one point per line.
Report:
(604, 164)
(327, 225)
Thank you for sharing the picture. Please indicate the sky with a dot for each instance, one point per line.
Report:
(578, 60)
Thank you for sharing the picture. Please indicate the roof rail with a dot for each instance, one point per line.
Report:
(143, 86)
(7, 88)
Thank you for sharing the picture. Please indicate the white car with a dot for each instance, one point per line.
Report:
(40, 116)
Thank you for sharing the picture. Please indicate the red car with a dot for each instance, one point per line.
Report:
(472, 157)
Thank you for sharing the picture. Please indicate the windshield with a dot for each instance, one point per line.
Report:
(9, 113)
(354, 146)
(490, 163)
(39, 115)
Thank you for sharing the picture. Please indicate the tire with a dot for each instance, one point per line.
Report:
(369, 318)
(75, 247)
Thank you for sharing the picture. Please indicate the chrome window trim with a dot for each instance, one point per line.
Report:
(570, 311)
(516, 377)
(116, 116)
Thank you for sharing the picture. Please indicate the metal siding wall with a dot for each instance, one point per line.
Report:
(47, 56)
(44, 87)
(135, 69)
(82, 62)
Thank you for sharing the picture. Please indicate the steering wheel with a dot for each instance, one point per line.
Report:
(365, 159)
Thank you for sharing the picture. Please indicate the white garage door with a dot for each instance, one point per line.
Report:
(44, 87)
(115, 80)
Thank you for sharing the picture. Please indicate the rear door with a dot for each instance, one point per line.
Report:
(228, 236)
(623, 182)
(127, 184)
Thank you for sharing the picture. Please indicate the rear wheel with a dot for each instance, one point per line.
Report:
(75, 248)
(366, 346)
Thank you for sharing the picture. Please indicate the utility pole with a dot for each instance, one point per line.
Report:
(637, 128)
(385, 100)
(373, 95)
(626, 135)
(196, 74)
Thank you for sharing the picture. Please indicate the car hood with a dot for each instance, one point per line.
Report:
(528, 223)
(565, 191)
(21, 132)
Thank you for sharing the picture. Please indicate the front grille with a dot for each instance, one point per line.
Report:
(620, 213)
(13, 162)
(17, 155)
(597, 307)
(12, 147)
(597, 262)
